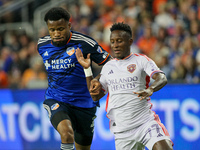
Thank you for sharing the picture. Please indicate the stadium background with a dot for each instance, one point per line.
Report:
(165, 30)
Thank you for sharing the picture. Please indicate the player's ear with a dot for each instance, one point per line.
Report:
(69, 25)
(130, 41)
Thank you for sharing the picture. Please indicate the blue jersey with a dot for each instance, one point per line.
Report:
(66, 77)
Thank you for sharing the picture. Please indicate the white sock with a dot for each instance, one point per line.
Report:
(67, 146)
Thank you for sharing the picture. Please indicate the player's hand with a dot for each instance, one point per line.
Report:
(85, 63)
(144, 93)
(95, 87)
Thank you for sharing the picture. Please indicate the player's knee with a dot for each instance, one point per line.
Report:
(67, 137)
(66, 131)
(163, 145)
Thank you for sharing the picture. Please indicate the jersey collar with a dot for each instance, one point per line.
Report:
(127, 57)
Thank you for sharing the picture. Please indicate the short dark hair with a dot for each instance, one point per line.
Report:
(121, 26)
(57, 13)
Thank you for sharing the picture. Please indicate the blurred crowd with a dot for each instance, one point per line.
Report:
(165, 30)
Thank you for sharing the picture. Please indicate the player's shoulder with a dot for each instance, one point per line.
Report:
(141, 56)
(77, 36)
(110, 62)
(44, 40)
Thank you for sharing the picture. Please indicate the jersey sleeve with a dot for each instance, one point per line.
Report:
(38, 46)
(102, 80)
(149, 66)
(42, 42)
(99, 55)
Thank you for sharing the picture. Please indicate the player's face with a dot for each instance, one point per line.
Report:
(59, 31)
(120, 43)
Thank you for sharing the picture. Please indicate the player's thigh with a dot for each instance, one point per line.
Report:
(57, 111)
(163, 144)
(84, 125)
(125, 144)
(81, 147)
(154, 132)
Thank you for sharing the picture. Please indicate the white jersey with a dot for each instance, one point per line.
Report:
(120, 78)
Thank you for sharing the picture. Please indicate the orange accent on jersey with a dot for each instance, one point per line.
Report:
(125, 57)
(147, 81)
(157, 119)
(69, 38)
(154, 72)
(104, 60)
(144, 56)
(151, 105)
(107, 99)
(136, 54)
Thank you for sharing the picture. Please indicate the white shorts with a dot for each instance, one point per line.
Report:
(146, 135)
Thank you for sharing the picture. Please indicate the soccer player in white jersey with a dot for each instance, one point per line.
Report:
(126, 80)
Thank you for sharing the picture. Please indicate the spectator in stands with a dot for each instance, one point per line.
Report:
(3, 79)
(34, 77)
(188, 59)
(147, 42)
(183, 16)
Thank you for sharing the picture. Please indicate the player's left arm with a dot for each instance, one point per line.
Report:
(100, 57)
(85, 63)
(160, 81)
(94, 86)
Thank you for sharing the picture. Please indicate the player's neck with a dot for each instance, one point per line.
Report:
(60, 44)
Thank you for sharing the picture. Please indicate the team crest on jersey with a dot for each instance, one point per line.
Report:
(131, 68)
(70, 51)
(55, 106)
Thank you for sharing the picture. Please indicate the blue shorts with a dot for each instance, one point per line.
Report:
(82, 119)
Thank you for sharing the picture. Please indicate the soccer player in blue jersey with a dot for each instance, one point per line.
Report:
(67, 99)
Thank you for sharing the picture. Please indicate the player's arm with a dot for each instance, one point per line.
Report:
(97, 95)
(95, 88)
(85, 63)
(160, 81)
(93, 84)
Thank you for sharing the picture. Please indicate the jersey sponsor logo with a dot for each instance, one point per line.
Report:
(47, 65)
(122, 83)
(99, 50)
(55, 106)
(104, 55)
(70, 51)
(46, 54)
(59, 64)
(110, 72)
(131, 68)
